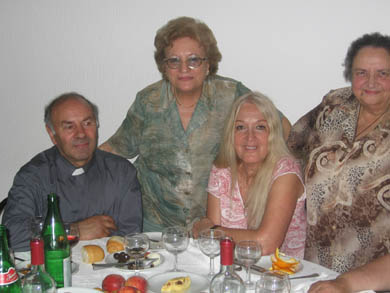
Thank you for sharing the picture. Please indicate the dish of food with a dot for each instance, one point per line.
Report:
(121, 257)
(198, 282)
(283, 263)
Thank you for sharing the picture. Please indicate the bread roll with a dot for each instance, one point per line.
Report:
(92, 253)
(115, 244)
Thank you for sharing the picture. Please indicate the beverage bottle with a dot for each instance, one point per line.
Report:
(227, 280)
(57, 250)
(9, 279)
(38, 280)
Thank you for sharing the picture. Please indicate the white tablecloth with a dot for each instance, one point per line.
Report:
(192, 260)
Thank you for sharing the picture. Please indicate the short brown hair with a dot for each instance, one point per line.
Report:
(186, 27)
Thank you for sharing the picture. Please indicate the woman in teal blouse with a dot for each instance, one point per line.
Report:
(175, 124)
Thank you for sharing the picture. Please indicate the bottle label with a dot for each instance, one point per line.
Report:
(9, 277)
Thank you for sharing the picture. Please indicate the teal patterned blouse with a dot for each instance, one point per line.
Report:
(174, 164)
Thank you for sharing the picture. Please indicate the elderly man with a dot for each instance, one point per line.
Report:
(98, 191)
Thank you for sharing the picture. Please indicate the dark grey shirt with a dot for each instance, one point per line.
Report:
(107, 185)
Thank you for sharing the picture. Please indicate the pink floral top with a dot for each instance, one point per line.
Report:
(233, 213)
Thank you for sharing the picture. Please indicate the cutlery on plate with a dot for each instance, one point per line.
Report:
(143, 264)
(305, 276)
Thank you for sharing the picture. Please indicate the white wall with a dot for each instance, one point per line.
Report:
(290, 50)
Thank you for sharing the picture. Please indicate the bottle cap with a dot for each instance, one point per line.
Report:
(37, 255)
(227, 249)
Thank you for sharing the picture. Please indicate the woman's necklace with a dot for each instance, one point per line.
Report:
(371, 124)
(181, 105)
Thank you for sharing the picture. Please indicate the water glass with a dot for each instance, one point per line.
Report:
(273, 282)
(36, 227)
(248, 252)
(209, 244)
(175, 240)
(137, 244)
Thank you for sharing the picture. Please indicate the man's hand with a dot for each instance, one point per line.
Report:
(96, 227)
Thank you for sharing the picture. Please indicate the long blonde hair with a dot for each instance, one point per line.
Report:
(277, 148)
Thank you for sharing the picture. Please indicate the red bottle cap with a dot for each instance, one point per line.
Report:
(227, 249)
(37, 256)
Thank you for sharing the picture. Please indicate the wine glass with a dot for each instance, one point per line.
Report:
(36, 227)
(175, 240)
(208, 242)
(273, 282)
(248, 252)
(136, 244)
(72, 233)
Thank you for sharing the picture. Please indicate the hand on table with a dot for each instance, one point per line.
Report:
(200, 225)
(96, 227)
(333, 286)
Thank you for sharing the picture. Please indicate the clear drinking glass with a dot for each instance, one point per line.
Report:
(175, 241)
(36, 226)
(136, 244)
(273, 282)
(72, 233)
(209, 244)
(248, 252)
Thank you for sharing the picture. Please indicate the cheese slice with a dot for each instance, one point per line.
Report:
(177, 285)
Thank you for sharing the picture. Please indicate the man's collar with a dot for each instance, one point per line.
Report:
(72, 170)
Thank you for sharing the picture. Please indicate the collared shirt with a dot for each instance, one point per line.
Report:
(347, 183)
(106, 185)
(174, 164)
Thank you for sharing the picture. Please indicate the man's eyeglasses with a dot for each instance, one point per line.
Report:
(192, 62)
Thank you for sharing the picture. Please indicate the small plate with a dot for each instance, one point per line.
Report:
(198, 282)
(76, 290)
(110, 259)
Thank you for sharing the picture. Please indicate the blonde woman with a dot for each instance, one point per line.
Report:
(255, 189)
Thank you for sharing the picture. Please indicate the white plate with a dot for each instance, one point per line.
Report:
(198, 282)
(110, 259)
(76, 290)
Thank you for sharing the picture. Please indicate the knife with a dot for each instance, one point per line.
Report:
(255, 268)
(142, 264)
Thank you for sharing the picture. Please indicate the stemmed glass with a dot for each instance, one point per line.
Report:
(36, 227)
(175, 240)
(273, 282)
(136, 244)
(72, 233)
(209, 244)
(248, 252)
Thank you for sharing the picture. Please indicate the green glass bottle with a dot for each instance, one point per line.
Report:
(57, 249)
(9, 279)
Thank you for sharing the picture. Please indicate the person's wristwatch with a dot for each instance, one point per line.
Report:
(214, 227)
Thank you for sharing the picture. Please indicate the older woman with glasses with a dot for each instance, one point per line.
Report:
(174, 125)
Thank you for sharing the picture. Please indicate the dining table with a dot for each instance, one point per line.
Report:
(192, 262)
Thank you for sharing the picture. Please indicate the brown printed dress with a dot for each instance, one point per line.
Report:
(347, 183)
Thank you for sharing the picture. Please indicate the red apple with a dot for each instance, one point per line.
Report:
(113, 282)
(129, 289)
(137, 282)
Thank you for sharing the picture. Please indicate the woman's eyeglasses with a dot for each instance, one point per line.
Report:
(192, 62)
